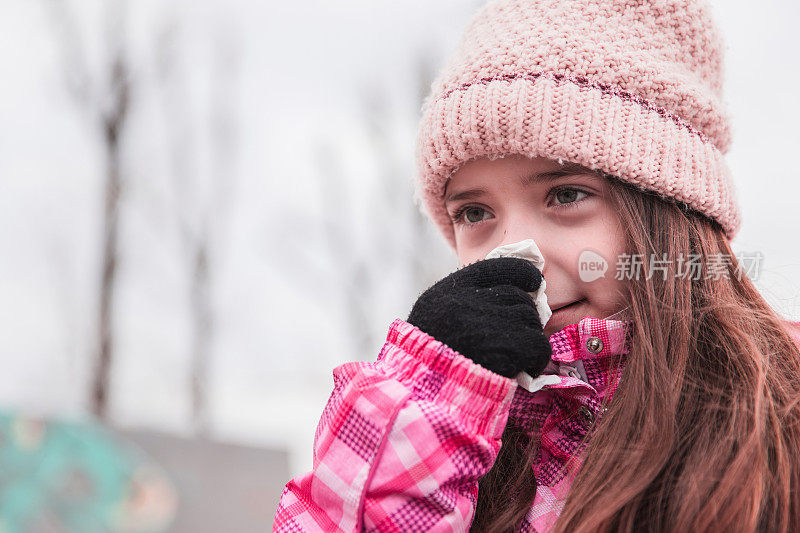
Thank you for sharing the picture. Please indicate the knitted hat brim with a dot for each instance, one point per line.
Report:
(552, 116)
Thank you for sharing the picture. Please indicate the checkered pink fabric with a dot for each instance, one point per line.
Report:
(403, 441)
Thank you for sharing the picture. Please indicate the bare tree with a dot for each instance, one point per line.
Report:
(416, 246)
(201, 218)
(352, 270)
(400, 246)
(351, 274)
(429, 256)
(105, 98)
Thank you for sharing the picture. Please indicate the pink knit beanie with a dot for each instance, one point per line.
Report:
(631, 88)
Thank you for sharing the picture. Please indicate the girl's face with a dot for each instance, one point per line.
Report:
(571, 218)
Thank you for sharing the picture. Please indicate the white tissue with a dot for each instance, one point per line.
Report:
(532, 384)
(527, 249)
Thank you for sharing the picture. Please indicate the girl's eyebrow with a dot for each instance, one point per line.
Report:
(568, 169)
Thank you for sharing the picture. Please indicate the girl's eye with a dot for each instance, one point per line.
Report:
(567, 197)
(472, 215)
(469, 215)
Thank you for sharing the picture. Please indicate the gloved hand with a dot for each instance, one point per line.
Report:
(484, 312)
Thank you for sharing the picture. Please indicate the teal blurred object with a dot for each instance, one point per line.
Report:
(74, 476)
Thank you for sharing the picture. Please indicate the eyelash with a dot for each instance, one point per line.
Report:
(457, 216)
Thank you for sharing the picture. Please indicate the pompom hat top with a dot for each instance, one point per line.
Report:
(629, 88)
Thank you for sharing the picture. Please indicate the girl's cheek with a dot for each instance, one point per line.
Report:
(470, 242)
(469, 256)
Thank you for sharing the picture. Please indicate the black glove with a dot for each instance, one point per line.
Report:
(484, 312)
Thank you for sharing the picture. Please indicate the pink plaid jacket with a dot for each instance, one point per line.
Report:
(403, 441)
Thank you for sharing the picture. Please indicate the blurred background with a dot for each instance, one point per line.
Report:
(206, 206)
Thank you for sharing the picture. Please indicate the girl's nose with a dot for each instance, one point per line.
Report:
(521, 229)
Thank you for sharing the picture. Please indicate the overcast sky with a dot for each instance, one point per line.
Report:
(303, 67)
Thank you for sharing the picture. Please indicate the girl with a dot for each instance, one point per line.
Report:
(663, 393)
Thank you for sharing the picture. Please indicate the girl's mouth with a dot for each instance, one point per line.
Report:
(563, 315)
(568, 306)
(566, 314)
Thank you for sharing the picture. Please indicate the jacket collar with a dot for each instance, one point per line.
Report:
(592, 338)
(580, 350)
(576, 378)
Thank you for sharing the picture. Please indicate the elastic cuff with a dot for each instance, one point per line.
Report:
(436, 372)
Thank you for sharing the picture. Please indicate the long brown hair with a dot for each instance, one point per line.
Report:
(703, 432)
